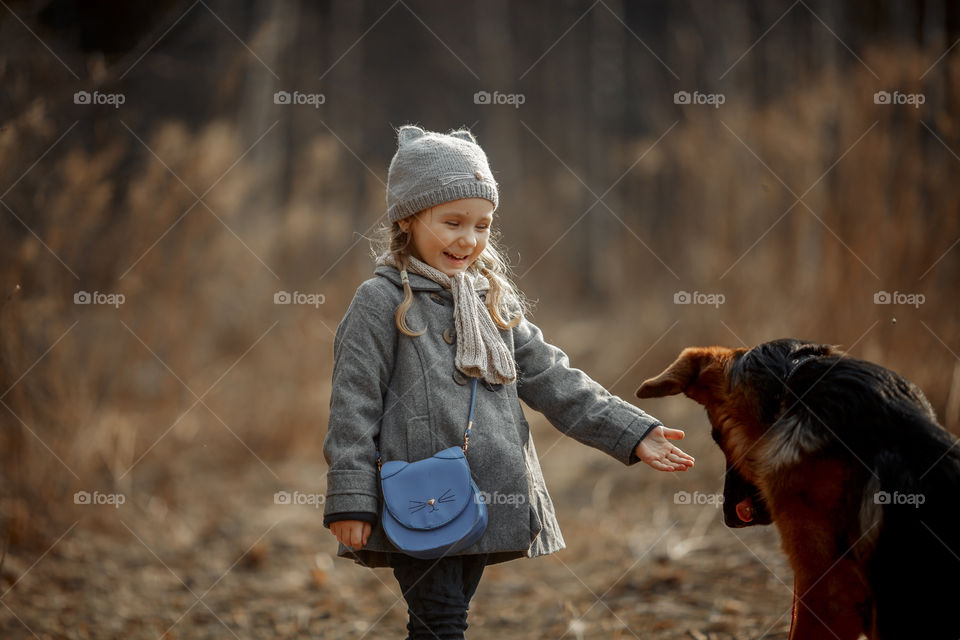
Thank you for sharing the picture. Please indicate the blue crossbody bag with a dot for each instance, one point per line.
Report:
(432, 507)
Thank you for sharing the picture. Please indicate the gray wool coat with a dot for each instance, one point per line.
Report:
(408, 392)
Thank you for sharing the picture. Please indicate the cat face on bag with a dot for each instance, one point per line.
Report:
(451, 236)
(432, 504)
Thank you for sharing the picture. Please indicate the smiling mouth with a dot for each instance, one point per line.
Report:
(455, 257)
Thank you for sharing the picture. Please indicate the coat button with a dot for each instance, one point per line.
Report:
(459, 377)
(436, 297)
(449, 336)
(491, 387)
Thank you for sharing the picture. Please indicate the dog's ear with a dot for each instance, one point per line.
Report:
(677, 377)
(699, 373)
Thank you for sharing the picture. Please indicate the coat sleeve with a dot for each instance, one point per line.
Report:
(574, 403)
(363, 354)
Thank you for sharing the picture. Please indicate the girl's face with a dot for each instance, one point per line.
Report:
(451, 236)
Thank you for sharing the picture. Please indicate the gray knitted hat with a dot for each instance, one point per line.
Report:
(431, 168)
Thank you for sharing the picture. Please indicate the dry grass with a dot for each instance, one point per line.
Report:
(107, 398)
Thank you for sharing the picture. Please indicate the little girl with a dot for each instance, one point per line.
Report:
(441, 310)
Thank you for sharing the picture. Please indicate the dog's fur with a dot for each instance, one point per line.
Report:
(813, 438)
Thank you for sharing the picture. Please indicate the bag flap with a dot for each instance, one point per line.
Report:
(428, 493)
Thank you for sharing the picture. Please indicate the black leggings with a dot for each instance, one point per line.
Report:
(438, 593)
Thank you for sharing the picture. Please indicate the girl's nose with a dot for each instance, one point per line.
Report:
(468, 241)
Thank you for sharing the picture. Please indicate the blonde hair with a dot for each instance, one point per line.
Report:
(504, 301)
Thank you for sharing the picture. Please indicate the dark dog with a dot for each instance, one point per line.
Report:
(848, 460)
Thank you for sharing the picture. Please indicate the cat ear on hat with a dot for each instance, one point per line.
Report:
(464, 134)
(409, 132)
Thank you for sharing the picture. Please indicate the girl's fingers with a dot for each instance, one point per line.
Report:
(356, 536)
(673, 434)
(353, 535)
(674, 461)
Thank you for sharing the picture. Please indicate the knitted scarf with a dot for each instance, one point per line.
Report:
(481, 352)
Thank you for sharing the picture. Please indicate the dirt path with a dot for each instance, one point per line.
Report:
(216, 557)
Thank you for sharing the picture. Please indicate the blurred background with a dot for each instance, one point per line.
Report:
(671, 174)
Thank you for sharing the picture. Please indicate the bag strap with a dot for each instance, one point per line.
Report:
(466, 434)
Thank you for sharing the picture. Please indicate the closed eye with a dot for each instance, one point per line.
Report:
(454, 224)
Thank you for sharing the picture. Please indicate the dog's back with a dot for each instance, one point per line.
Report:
(909, 535)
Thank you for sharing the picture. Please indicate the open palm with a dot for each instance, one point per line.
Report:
(661, 454)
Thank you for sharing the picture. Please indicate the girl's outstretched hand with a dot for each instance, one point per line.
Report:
(658, 452)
